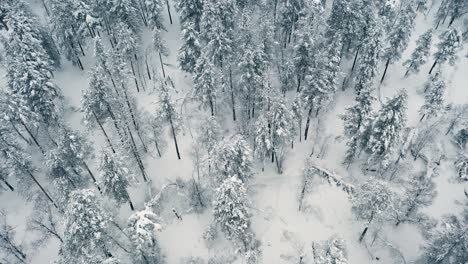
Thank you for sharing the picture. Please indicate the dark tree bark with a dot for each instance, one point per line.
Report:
(104, 132)
(307, 123)
(169, 11)
(29, 173)
(32, 136)
(7, 184)
(433, 66)
(385, 71)
(162, 65)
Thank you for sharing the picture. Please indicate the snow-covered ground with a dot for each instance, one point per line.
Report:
(284, 231)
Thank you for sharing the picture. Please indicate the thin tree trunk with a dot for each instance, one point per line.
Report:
(134, 76)
(385, 71)
(355, 59)
(307, 123)
(131, 204)
(137, 156)
(32, 136)
(211, 106)
(433, 66)
(104, 132)
(7, 184)
(19, 133)
(422, 117)
(42, 188)
(91, 174)
(232, 95)
(363, 234)
(45, 7)
(408, 71)
(162, 65)
(142, 13)
(175, 138)
(169, 11)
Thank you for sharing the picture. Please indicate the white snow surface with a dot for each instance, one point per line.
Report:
(274, 197)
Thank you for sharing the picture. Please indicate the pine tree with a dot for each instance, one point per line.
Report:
(15, 162)
(217, 29)
(85, 228)
(190, 50)
(68, 30)
(447, 48)
(11, 251)
(420, 54)
(433, 96)
(372, 45)
(231, 156)
(461, 165)
(209, 133)
(399, 36)
(32, 102)
(357, 119)
(204, 83)
(168, 112)
(190, 12)
(115, 178)
(332, 251)
(230, 211)
(141, 229)
(154, 10)
(72, 151)
(288, 14)
(385, 129)
(419, 192)
(373, 202)
(448, 244)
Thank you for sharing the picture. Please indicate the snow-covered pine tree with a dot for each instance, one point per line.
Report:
(461, 165)
(217, 29)
(420, 54)
(190, 12)
(32, 102)
(419, 192)
(288, 14)
(141, 229)
(123, 11)
(262, 139)
(331, 251)
(154, 11)
(433, 96)
(302, 54)
(96, 102)
(448, 244)
(297, 109)
(168, 111)
(357, 119)
(373, 202)
(450, 43)
(115, 178)
(10, 250)
(71, 152)
(85, 228)
(399, 36)
(280, 125)
(371, 49)
(385, 129)
(16, 163)
(190, 50)
(451, 9)
(209, 133)
(231, 156)
(68, 30)
(231, 214)
(204, 83)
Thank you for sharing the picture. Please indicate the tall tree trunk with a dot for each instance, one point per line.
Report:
(147, 67)
(232, 95)
(211, 106)
(385, 71)
(32, 136)
(307, 123)
(132, 115)
(19, 133)
(131, 204)
(433, 66)
(45, 8)
(134, 76)
(355, 58)
(42, 188)
(142, 13)
(7, 184)
(162, 65)
(169, 11)
(175, 138)
(408, 71)
(137, 155)
(104, 132)
(91, 174)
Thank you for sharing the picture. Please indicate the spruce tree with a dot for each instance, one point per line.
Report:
(231, 156)
(204, 83)
(115, 178)
(190, 12)
(141, 230)
(85, 228)
(420, 54)
(447, 48)
(433, 96)
(32, 102)
(373, 202)
(399, 36)
(385, 129)
(190, 50)
(230, 212)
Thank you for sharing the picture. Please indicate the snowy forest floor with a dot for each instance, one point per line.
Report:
(284, 231)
